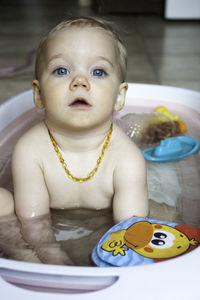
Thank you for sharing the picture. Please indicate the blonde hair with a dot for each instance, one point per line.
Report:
(84, 22)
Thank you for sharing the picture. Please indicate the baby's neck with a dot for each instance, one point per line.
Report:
(79, 141)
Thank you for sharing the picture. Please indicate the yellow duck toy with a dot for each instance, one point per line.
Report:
(164, 110)
(157, 240)
(149, 240)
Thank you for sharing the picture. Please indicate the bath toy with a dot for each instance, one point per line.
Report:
(139, 241)
(157, 240)
(150, 128)
(172, 149)
(156, 132)
(164, 110)
(180, 126)
(147, 128)
(116, 243)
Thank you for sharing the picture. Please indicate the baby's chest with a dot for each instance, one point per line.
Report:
(64, 192)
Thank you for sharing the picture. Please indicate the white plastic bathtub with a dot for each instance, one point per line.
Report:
(173, 279)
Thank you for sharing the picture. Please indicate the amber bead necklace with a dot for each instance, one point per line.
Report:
(64, 165)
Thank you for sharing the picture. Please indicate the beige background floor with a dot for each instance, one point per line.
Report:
(160, 51)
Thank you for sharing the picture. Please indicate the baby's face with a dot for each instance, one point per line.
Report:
(80, 80)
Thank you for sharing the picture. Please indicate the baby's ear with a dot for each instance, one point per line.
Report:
(119, 104)
(37, 94)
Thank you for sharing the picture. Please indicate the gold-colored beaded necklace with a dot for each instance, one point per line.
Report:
(94, 171)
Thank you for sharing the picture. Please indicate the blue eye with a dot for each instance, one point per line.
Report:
(61, 71)
(98, 73)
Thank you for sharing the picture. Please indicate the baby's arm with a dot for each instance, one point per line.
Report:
(32, 203)
(130, 186)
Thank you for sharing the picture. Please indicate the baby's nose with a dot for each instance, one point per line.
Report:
(79, 81)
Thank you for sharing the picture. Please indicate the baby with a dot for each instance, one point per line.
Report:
(77, 157)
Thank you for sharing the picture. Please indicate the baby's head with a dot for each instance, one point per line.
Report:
(80, 73)
(84, 22)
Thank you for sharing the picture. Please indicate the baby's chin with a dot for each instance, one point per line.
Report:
(80, 121)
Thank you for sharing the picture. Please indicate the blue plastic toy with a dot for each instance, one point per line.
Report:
(172, 149)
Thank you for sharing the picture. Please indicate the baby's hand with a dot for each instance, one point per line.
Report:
(38, 233)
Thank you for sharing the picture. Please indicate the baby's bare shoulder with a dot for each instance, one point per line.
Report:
(32, 140)
(123, 145)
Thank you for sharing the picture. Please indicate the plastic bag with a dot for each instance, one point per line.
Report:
(147, 129)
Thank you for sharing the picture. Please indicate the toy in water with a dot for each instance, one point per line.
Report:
(139, 241)
(180, 126)
(172, 149)
(151, 128)
(156, 240)
(147, 128)
(164, 110)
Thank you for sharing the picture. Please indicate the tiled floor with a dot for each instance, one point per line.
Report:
(160, 51)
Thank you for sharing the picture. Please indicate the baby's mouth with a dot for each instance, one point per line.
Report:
(80, 103)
